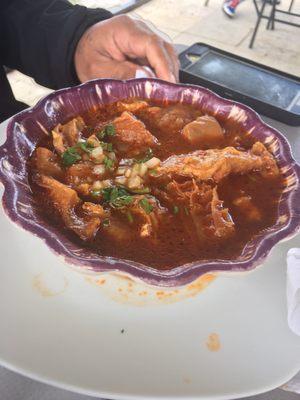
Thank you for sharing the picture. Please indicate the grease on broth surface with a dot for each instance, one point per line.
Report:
(160, 184)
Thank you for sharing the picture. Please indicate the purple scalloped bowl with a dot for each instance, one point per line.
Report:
(26, 129)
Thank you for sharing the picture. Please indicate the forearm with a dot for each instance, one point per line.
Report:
(41, 37)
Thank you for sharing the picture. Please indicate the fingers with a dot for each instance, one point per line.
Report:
(160, 59)
(121, 46)
(135, 39)
(175, 61)
(104, 67)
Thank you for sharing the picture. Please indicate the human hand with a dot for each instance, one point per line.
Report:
(123, 48)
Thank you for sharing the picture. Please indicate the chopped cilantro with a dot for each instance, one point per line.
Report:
(85, 146)
(106, 146)
(108, 130)
(176, 209)
(153, 172)
(122, 201)
(118, 197)
(70, 156)
(149, 154)
(106, 222)
(146, 206)
(109, 164)
(96, 193)
(129, 217)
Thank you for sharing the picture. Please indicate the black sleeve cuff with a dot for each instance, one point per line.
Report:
(81, 20)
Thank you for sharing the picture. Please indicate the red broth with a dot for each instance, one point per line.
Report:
(176, 234)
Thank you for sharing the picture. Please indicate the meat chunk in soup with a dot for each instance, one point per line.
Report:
(47, 163)
(204, 132)
(200, 202)
(67, 135)
(147, 214)
(134, 107)
(132, 137)
(82, 218)
(215, 164)
(172, 119)
(222, 221)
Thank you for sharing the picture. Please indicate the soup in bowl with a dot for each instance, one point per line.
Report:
(165, 182)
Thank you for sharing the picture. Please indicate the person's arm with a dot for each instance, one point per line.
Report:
(123, 48)
(39, 38)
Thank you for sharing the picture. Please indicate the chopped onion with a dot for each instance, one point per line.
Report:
(97, 185)
(134, 182)
(121, 180)
(121, 170)
(99, 169)
(153, 162)
(143, 169)
(135, 170)
(93, 140)
(106, 183)
(97, 153)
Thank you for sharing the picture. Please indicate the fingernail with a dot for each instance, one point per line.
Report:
(140, 73)
(144, 72)
(172, 78)
(151, 74)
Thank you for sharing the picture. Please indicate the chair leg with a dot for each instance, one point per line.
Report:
(257, 23)
(206, 3)
(273, 14)
(291, 6)
(269, 21)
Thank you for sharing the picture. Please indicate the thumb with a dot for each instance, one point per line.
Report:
(144, 72)
(127, 70)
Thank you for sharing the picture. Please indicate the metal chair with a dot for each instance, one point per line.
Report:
(271, 17)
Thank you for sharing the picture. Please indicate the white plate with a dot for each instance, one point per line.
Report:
(118, 339)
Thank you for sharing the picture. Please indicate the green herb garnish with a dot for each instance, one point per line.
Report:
(108, 130)
(106, 146)
(70, 156)
(153, 172)
(106, 222)
(96, 193)
(148, 156)
(118, 197)
(122, 201)
(146, 206)
(85, 146)
(129, 217)
(176, 209)
(109, 164)
(186, 210)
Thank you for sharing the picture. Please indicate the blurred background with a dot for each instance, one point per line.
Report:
(190, 21)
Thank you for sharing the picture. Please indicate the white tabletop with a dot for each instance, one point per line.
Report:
(16, 387)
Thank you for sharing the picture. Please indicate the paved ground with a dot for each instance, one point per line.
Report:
(189, 21)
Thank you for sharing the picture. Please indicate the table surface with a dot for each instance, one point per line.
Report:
(16, 387)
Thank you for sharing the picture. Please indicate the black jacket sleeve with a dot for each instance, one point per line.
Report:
(39, 38)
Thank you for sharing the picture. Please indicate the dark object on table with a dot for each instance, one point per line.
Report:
(128, 6)
(272, 16)
(268, 91)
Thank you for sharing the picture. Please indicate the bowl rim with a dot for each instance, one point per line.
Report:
(177, 276)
